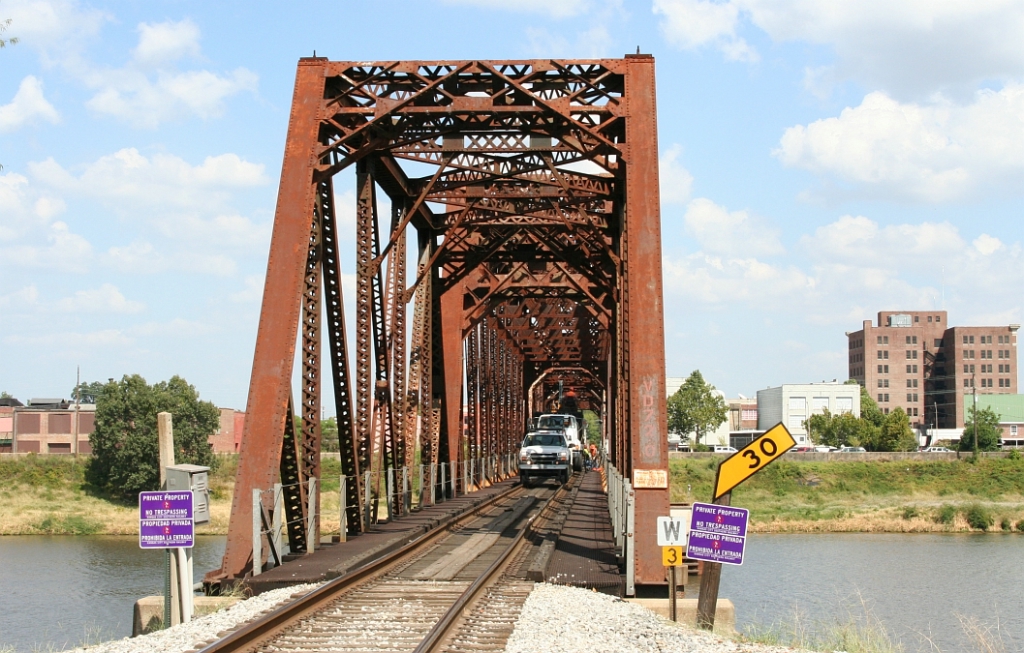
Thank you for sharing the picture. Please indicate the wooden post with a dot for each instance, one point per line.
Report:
(165, 444)
(707, 600)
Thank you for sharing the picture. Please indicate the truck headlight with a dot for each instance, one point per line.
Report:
(563, 455)
(524, 457)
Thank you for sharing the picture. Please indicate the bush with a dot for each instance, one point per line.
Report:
(910, 512)
(1006, 524)
(1020, 526)
(978, 517)
(1015, 455)
(946, 515)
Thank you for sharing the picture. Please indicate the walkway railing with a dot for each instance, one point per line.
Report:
(621, 507)
(398, 491)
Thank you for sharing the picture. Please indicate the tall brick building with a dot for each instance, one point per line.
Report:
(916, 361)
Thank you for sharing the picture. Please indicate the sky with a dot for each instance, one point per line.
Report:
(820, 162)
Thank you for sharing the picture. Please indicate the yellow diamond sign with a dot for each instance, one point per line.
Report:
(752, 458)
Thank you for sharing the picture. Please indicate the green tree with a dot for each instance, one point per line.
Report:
(87, 393)
(126, 458)
(839, 430)
(988, 430)
(4, 26)
(895, 434)
(329, 434)
(696, 408)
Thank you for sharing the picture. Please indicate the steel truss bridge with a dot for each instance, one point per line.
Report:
(529, 192)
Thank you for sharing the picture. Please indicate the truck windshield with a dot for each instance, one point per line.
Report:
(544, 440)
(554, 421)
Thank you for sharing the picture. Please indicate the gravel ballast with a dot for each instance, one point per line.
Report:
(560, 619)
(554, 619)
(203, 630)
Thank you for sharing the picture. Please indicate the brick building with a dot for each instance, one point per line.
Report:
(52, 426)
(915, 361)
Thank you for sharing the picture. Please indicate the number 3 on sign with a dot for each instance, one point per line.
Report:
(671, 556)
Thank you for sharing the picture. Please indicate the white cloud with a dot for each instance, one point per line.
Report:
(932, 152)
(592, 43)
(909, 48)
(105, 299)
(134, 98)
(140, 257)
(65, 252)
(53, 24)
(27, 296)
(734, 233)
(165, 42)
(27, 106)
(552, 8)
(252, 292)
(162, 179)
(67, 341)
(846, 270)
(675, 180)
(692, 24)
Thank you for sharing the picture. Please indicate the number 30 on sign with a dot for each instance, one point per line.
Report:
(752, 458)
(671, 556)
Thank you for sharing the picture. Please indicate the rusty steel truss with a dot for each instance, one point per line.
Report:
(529, 190)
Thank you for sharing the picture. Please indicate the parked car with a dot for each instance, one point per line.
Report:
(721, 448)
(802, 449)
(824, 448)
(936, 450)
(684, 445)
(852, 450)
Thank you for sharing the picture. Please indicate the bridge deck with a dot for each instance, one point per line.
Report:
(333, 560)
(585, 554)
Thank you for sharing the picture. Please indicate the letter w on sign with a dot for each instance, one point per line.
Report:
(672, 531)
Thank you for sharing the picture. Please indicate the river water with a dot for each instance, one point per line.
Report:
(61, 592)
(918, 586)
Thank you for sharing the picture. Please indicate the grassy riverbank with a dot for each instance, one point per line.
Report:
(49, 495)
(894, 497)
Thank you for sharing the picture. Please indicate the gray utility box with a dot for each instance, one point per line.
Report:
(196, 478)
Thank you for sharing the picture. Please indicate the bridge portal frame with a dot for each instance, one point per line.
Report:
(544, 113)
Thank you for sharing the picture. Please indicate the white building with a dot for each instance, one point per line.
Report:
(793, 403)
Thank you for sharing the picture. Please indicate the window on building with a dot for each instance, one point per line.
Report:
(965, 340)
(844, 404)
(885, 369)
(917, 318)
(880, 383)
(915, 413)
(886, 410)
(909, 397)
(970, 353)
(971, 339)
(1013, 429)
(886, 397)
(967, 383)
(748, 414)
(938, 318)
(972, 369)
(929, 318)
(967, 369)
(819, 404)
(915, 397)
(880, 395)
(938, 342)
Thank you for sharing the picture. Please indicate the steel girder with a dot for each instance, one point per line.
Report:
(537, 228)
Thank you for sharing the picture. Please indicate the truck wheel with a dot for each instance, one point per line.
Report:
(525, 478)
(565, 477)
(577, 462)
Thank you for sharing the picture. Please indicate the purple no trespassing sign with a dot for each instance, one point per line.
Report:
(717, 533)
(165, 520)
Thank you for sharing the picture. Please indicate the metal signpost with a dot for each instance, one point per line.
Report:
(672, 533)
(728, 546)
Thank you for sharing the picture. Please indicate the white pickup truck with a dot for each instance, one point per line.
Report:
(567, 425)
(544, 454)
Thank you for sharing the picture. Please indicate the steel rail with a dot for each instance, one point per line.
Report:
(445, 625)
(265, 628)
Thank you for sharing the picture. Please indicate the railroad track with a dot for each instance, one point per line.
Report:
(455, 589)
